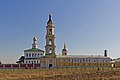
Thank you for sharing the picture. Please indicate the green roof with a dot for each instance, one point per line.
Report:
(33, 50)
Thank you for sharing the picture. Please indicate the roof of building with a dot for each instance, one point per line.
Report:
(82, 56)
(33, 50)
(31, 58)
(116, 60)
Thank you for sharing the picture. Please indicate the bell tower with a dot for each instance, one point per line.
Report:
(50, 50)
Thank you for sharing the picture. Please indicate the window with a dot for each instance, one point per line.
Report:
(83, 60)
(29, 55)
(38, 55)
(80, 61)
(74, 60)
(97, 60)
(29, 61)
(34, 61)
(50, 50)
(86, 60)
(26, 62)
(32, 55)
(71, 60)
(65, 53)
(35, 55)
(26, 55)
(50, 42)
(50, 31)
(89, 60)
(37, 62)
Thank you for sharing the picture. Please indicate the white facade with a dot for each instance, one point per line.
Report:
(33, 54)
(32, 61)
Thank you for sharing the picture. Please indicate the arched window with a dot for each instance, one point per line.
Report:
(50, 31)
(35, 55)
(32, 55)
(38, 55)
(50, 50)
(29, 54)
(26, 55)
(50, 42)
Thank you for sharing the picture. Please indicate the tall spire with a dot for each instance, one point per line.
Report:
(50, 15)
(50, 18)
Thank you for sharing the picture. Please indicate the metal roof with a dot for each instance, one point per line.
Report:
(82, 56)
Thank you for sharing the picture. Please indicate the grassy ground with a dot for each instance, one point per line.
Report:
(61, 74)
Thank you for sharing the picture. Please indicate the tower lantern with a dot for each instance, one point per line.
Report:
(34, 45)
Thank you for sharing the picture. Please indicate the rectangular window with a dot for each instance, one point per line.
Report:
(83, 60)
(89, 60)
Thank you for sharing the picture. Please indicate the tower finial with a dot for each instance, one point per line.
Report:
(50, 15)
(64, 46)
(34, 40)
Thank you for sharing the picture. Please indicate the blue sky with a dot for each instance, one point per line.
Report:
(87, 26)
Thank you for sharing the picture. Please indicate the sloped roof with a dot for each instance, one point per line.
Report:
(33, 50)
(82, 56)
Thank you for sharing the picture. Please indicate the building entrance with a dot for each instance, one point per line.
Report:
(50, 65)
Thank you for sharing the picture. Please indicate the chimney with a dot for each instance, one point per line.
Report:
(105, 53)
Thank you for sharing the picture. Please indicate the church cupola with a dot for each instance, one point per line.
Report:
(34, 45)
(64, 50)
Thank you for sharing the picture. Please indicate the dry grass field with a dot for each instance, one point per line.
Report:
(61, 74)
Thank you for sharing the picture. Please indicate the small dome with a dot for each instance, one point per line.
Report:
(64, 50)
